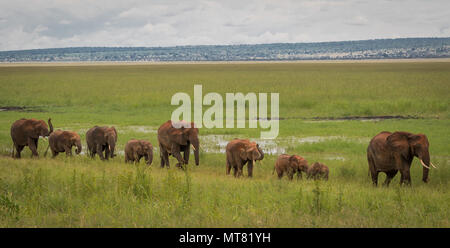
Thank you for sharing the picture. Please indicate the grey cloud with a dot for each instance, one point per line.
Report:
(45, 23)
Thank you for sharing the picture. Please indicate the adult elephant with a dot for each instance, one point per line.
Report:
(101, 139)
(26, 132)
(392, 152)
(176, 138)
(240, 152)
(63, 141)
(136, 149)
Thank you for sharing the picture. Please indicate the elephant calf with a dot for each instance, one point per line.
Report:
(136, 149)
(317, 171)
(62, 141)
(290, 165)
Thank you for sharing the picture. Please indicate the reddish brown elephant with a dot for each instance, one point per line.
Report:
(176, 139)
(136, 149)
(101, 139)
(318, 171)
(290, 164)
(392, 152)
(26, 132)
(63, 141)
(240, 152)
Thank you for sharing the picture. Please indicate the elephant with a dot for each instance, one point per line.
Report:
(240, 152)
(175, 138)
(62, 141)
(26, 132)
(318, 171)
(101, 139)
(136, 149)
(290, 165)
(392, 152)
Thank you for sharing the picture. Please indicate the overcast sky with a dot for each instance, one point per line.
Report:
(65, 23)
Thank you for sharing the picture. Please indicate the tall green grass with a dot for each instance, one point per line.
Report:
(81, 192)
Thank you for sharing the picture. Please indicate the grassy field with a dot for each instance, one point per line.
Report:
(80, 192)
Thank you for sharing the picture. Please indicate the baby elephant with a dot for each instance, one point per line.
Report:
(290, 165)
(136, 149)
(317, 171)
(62, 141)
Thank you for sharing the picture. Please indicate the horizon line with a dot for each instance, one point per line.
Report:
(242, 44)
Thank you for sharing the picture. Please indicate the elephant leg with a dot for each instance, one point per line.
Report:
(228, 166)
(107, 152)
(240, 169)
(180, 159)
(374, 175)
(389, 176)
(186, 154)
(250, 168)
(299, 175)
(235, 171)
(32, 144)
(165, 159)
(19, 149)
(54, 153)
(290, 174)
(68, 151)
(406, 176)
(280, 173)
(99, 151)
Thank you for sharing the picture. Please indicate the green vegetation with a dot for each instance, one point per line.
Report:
(362, 49)
(80, 192)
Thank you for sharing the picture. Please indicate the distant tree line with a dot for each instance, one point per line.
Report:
(364, 49)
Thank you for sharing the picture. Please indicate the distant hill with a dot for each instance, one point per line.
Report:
(364, 49)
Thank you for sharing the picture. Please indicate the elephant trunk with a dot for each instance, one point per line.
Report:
(112, 146)
(196, 146)
(425, 161)
(260, 152)
(79, 147)
(50, 125)
(149, 157)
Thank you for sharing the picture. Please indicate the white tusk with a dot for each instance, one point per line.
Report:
(433, 165)
(424, 165)
(193, 147)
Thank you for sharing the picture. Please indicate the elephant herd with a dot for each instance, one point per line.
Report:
(387, 152)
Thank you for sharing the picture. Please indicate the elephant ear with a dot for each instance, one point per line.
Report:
(292, 160)
(36, 129)
(400, 143)
(139, 149)
(243, 154)
(178, 135)
(115, 132)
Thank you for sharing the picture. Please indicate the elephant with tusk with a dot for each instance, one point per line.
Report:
(240, 152)
(393, 152)
(26, 132)
(176, 138)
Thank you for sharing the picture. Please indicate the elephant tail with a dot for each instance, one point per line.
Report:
(273, 171)
(12, 151)
(46, 150)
